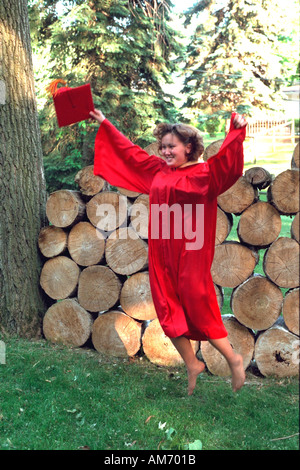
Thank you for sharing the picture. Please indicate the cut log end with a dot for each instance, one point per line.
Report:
(158, 348)
(136, 299)
(66, 322)
(65, 208)
(116, 334)
(237, 198)
(281, 262)
(290, 310)
(277, 352)
(52, 241)
(89, 184)
(257, 302)
(125, 252)
(259, 177)
(242, 342)
(98, 288)
(233, 263)
(259, 225)
(283, 193)
(86, 244)
(59, 277)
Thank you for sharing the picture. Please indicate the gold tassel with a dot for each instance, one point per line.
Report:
(52, 87)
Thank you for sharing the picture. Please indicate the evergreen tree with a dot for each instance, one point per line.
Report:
(124, 49)
(233, 61)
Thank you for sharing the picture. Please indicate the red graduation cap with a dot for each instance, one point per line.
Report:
(71, 104)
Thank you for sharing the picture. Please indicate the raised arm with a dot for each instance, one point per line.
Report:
(120, 162)
(226, 167)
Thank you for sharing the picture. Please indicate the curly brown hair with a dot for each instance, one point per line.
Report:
(185, 133)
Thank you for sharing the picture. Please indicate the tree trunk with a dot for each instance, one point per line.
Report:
(258, 177)
(283, 193)
(86, 244)
(136, 299)
(52, 241)
(107, 211)
(290, 310)
(276, 352)
(125, 252)
(158, 348)
(256, 303)
(116, 334)
(237, 198)
(295, 228)
(22, 197)
(259, 225)
(281, 262)
(241, 340)
(224, 226)
(98, 289)
(233, 263)
(68, 323)
(65, 208)
(59, 277)
(89, 184)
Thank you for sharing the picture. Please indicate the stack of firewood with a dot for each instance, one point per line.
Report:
(95, 271)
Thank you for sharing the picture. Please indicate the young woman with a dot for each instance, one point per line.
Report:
(183, 210)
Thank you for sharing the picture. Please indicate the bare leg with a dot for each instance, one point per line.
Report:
(235, 361)
(193, 365)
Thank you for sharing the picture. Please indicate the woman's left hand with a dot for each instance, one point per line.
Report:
(239, 121)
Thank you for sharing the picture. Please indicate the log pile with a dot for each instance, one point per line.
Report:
(95, 271)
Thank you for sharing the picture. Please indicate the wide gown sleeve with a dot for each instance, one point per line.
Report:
(226, 167)
(122, 163)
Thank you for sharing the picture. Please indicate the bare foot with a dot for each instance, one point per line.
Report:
(193, 373)
(238, 373)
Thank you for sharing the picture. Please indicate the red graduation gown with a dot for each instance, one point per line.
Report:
(179, 265)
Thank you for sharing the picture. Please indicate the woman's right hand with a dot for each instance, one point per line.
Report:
(97, 115)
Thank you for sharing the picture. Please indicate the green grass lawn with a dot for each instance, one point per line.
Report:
(56, 398)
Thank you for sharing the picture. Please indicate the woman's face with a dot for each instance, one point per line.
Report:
(174, 151)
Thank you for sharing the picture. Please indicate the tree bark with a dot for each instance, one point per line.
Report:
(22, 197)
